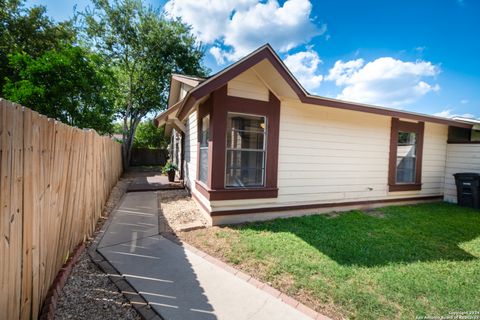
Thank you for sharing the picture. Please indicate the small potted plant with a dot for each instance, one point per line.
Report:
(170, 169)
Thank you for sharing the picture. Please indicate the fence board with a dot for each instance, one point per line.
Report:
(54, 182)
(148, 157)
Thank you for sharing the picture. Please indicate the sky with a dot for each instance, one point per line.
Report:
(415, 55)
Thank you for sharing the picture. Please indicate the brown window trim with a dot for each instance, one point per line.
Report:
(419, 129)
(218, 106)
(236, 193)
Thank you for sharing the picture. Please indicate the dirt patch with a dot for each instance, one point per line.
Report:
(214, 240)
(323, 307)
(333, 214)
(179, 210)
(374, 213)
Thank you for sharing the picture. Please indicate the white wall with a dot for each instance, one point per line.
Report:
(184, 88)
(175, 149)
(460, 158)
(434, 158)
(248, 85)
(331, 155)
(190, 161)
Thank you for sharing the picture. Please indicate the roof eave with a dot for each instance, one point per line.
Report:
(266, 52)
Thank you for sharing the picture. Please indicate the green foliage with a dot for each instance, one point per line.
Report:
(41, 68)
(68, 84)
(28, 31)
(391, 263)
(169, 166)
(117, 128)
(144, 49)
(150, 136)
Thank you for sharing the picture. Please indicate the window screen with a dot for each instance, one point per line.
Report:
(246, 145)
(406, 157)
(204, 136)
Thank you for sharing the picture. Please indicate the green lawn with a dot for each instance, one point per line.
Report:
(392, 263)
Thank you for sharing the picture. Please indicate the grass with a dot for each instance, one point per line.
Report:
(394, 263)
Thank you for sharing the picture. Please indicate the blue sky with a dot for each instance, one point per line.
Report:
(414, 55)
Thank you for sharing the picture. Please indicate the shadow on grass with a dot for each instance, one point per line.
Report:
(403, 234)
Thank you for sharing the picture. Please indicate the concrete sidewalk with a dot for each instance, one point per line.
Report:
(177, 282)
(153, 181)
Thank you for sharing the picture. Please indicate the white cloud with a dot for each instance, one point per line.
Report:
(207, 18)
(384, 81)
(420, 49)
(343, 71)
(244, 25)
(304, 65)
(217, 53)
(448, 113)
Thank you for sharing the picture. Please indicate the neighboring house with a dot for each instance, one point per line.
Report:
(252, 144)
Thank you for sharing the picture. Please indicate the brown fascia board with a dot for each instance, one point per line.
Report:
(266, 52)
(184, 76)
(165, 113)
(190, 81)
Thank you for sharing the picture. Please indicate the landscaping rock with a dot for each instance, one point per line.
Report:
(179, 211)
(88, 292)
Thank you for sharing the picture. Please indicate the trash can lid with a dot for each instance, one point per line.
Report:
(466, 175)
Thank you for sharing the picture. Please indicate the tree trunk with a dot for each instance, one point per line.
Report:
(125, 137)
(128, 135)
(126, 154)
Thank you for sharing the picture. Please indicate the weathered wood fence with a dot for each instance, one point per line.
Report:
(55, 180)
(148, 157)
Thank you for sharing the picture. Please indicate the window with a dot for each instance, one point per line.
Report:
(246, 145)
(203, 159)
(406, 147)
(406, 158)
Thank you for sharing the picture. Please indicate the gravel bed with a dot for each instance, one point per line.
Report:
(179, 210)
(88, 292)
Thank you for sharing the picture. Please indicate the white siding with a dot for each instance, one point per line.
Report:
(175, 149)
(190, 163)
(248, 85)
(434, 157)
(331, 155)
(184, 88)
(460, 158)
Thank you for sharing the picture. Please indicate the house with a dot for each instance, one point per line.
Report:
(252, 144)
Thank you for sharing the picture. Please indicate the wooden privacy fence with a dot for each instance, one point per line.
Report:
(148, 157)
(55, 180)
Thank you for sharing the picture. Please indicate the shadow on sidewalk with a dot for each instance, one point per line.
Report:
(157, 268)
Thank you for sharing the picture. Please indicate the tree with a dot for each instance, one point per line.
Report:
(150, 136)
(29, 31)
(70, 85)
(144, 49)
(42, 68)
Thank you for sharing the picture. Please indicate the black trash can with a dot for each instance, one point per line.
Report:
(468, 189)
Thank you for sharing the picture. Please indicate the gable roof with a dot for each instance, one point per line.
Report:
(190, 80)
(266, 52)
